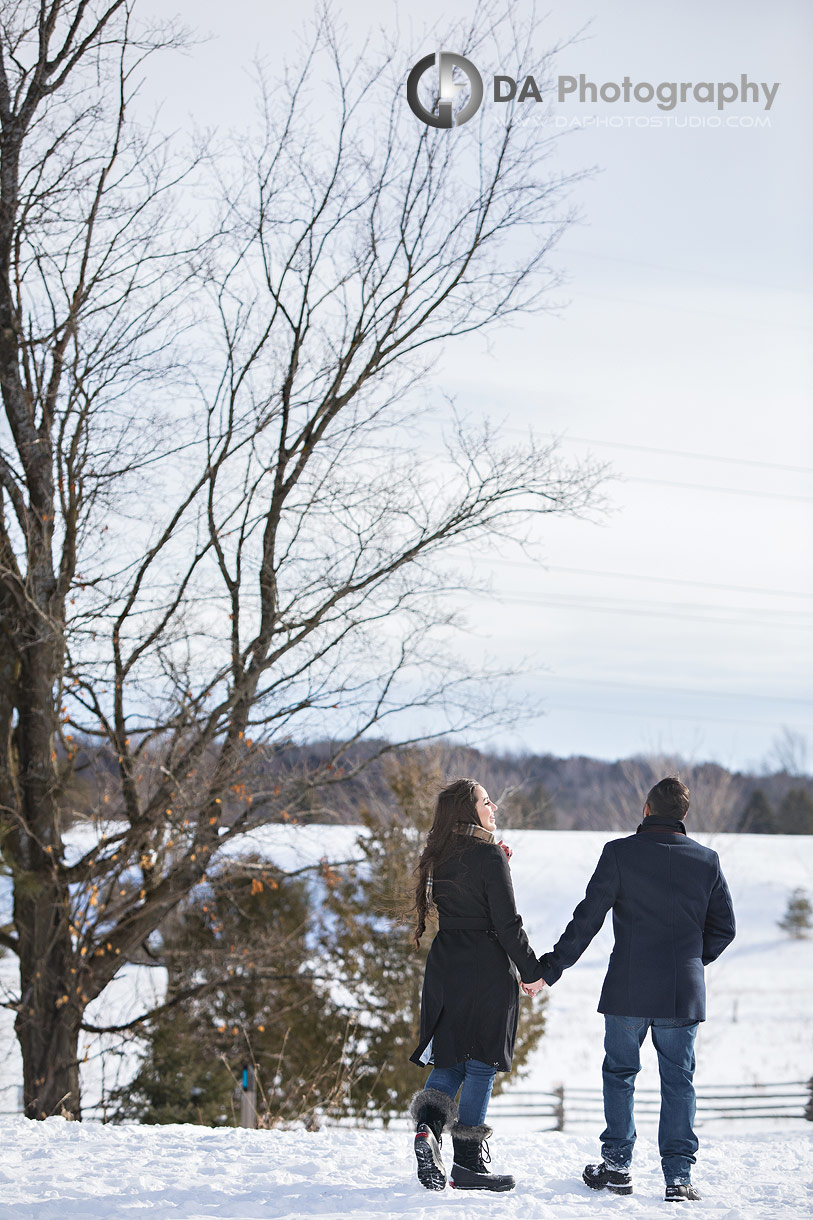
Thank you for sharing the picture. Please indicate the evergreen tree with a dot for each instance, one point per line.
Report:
(758, 816)
(368, 938)
(798, 918)
(322, 996)
(238, 993)
(176, 1083)
(796, 813)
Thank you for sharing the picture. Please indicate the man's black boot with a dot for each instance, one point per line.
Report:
(469, 1171)
(617, 1181)
(680, 1193)
(433, 1113)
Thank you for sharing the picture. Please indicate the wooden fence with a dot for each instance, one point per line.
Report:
(565, 1106)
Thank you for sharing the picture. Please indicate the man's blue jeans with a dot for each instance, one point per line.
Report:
(475, 1081)
(673, 1039)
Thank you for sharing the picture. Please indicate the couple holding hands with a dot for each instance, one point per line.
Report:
(672, 915)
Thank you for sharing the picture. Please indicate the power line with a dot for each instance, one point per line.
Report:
(601, 600)
(648, 714)
(721, 491)
(682, 453)
(640, 612)
(677, 580)
(663, 580)
(694, 272)
(674, 307)
(678, 690)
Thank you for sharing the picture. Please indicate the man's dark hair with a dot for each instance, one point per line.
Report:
(669, 798)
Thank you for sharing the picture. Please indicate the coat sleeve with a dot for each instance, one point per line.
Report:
(505, 920)
(719, 928)
(602, 890)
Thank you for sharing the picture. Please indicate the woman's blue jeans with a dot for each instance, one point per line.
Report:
(474, 1080)
(673, 1039)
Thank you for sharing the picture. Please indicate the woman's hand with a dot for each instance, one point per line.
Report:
(505, 848)
(533, 989)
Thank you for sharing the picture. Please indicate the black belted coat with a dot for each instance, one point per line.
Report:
(470, 998)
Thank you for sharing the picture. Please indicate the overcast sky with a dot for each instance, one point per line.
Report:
(682, 622)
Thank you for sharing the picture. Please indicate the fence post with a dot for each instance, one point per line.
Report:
(559, 1108)
(248, 1097)
(809, 1106)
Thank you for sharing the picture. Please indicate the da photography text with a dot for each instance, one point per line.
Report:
(453, 75)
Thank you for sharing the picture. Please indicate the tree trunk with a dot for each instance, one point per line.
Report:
(48, 1030)
(49, 1017)
(53, 976)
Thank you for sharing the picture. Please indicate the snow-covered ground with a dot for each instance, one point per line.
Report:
(759, 1031)
(70, 1171)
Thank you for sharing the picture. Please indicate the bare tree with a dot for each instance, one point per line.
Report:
(789, 753)
(714, 790)
(218, 529)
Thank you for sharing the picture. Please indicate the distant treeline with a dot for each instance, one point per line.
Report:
(540, 791)
(320, 782)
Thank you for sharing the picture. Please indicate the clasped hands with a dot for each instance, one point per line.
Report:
(530, 989)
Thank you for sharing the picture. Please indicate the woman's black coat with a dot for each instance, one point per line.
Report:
(470, 999)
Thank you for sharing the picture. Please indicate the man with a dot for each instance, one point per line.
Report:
(672, 915)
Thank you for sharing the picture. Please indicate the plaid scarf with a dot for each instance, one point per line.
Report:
(462, 828)
(476, 832)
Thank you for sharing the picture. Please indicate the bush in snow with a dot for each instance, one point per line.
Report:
(798, 918)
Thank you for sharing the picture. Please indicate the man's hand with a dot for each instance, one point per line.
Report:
(505, 848)
(533, 989)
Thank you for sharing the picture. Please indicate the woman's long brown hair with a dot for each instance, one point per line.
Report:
(456, 803)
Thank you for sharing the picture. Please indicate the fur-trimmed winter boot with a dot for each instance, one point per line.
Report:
(469, 1171)
(433, 1112)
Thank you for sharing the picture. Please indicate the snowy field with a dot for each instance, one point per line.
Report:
(759, 1032)
(70, 1171)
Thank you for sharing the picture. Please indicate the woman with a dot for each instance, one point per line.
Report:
(470, 999)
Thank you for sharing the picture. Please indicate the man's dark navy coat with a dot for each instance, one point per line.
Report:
(672, 915)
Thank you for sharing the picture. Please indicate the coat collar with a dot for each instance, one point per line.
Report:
(657, 821)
